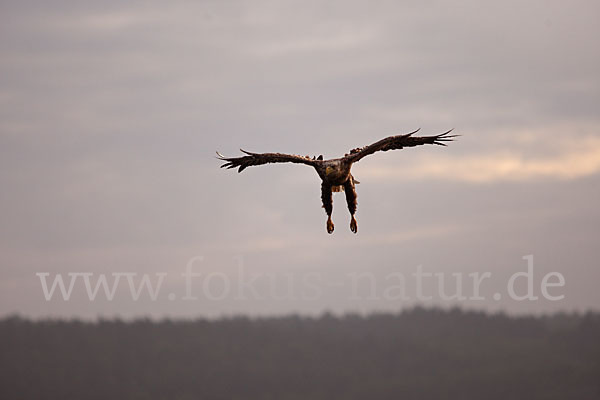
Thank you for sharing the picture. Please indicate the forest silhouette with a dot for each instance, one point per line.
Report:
(417, 354)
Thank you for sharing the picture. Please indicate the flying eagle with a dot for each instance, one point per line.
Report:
(335, 173)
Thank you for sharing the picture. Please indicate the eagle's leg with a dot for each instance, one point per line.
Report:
(351, 200)
(327, 199)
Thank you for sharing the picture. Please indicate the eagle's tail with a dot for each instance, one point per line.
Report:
(340, 188)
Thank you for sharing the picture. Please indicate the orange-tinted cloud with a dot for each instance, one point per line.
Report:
(579, 160)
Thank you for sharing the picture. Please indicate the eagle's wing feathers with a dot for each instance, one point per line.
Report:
(262, 158)
(399, 142)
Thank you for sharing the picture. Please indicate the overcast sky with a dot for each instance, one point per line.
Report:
(110, 114)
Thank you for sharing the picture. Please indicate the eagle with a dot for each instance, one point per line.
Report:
(335, 173)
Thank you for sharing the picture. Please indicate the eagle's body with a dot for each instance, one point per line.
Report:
(335, 173)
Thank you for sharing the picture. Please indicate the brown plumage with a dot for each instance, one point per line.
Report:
(335, 173)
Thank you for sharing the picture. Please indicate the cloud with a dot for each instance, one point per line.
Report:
(577, 160)
(332, 41)
(110, 114)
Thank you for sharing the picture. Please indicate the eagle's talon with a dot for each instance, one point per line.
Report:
(329, 226)
(353, 225)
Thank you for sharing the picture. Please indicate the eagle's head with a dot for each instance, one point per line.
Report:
(333, 168)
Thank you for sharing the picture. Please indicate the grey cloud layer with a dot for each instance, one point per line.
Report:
(110, 115)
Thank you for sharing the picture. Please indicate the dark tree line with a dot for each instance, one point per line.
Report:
(418, 354)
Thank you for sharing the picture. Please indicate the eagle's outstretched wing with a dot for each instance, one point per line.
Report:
(262, 158)
(399, 142)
